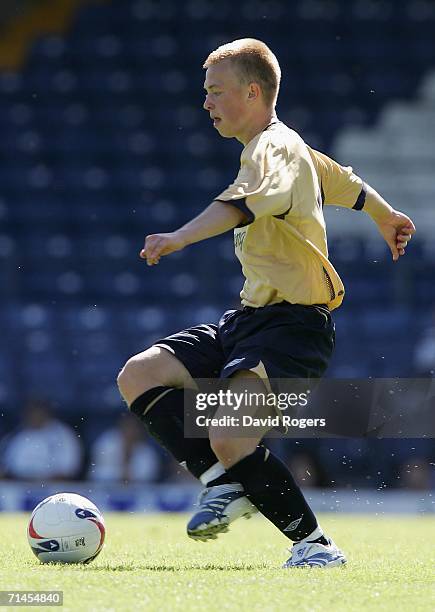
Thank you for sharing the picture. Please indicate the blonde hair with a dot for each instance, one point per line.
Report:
(253, 61)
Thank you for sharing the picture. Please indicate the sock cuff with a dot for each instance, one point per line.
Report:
(143, 404)
(250, 463)
(212, 473)
(314, 535)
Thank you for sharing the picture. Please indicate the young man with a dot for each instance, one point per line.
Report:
(284, 329)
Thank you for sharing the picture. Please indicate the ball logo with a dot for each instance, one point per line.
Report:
(50, 545)
(83, 514)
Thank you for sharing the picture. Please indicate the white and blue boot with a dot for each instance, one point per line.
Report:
(219, 506)
(313, 554)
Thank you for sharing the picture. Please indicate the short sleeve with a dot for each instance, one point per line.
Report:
(265, 180)
(340, 185)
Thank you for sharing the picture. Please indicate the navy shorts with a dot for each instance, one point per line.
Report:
(289, 340)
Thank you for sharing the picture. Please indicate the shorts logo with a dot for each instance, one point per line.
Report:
(292, 526)
(235, 362)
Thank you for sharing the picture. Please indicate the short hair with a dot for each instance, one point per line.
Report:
(253, 61)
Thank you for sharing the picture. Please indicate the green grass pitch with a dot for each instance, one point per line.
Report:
(149, 564)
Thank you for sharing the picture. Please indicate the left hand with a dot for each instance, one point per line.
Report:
(397, 230)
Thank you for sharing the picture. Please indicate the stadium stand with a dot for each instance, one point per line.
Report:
(398, 155)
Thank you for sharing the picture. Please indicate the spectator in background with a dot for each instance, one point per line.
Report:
(44, 448)
(424, 353)
(301, 459)
(305, 470)
(417, 474)
(123, 453)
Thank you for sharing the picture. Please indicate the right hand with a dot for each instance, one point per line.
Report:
(159, 245)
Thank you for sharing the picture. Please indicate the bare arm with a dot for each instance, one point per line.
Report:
(214, 220)
(341, 188)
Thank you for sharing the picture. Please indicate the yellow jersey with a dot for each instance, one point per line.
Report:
(282, 186)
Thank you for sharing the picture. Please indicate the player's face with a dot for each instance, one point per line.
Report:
(226, 100)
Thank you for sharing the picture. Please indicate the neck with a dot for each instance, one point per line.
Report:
(256, 126)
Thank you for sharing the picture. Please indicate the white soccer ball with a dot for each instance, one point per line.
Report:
(66, 528)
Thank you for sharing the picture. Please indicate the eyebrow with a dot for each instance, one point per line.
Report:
(211, 87)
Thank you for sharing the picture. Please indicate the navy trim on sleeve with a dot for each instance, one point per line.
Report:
(241, 205)
(361, 200)
(282, 215)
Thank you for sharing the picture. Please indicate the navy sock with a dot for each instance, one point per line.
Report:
(222, 479)
(321, 540)
(271, 487)
(161, 410)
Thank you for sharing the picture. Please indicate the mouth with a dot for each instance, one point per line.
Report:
(216, 121)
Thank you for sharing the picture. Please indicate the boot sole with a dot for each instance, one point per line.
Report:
(212, 531)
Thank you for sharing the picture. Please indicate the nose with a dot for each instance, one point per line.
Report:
(207, 104)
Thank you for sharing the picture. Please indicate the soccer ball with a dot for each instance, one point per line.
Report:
(66, 528)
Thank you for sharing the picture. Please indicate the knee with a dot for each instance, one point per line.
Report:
(137, 373)
(124, 381)
(221, 447)
(154, 367)
(226, 450)
(126, 375)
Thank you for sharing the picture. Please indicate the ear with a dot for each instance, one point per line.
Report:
(254, 91)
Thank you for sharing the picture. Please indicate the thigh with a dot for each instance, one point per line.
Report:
(160, 367)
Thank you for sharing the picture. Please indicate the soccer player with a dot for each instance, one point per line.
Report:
(284, 328)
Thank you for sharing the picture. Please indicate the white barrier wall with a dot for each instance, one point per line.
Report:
(181, 498)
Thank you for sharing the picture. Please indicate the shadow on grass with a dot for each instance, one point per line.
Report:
(152, 567)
